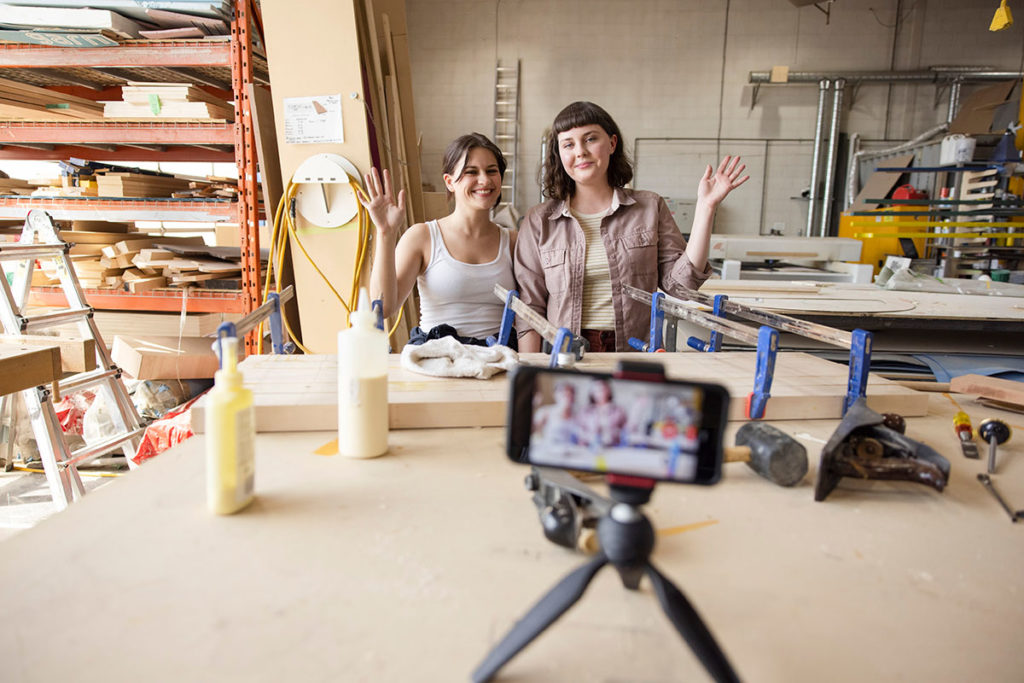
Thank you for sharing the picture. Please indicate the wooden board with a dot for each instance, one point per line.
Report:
(76, 354)
(299, 393)
(880, 183)
(165, 357)
(112, 323)
(23, 366)
(994, 388)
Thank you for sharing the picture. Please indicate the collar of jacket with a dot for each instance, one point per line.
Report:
(620, 197)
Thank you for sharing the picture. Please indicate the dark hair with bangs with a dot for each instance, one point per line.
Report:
(461, 146)
(557, 183)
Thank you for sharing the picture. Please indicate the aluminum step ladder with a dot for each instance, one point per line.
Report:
(40, 241)
(506, 128)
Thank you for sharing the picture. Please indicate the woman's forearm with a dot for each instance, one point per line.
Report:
(383, 277)
(699, 244)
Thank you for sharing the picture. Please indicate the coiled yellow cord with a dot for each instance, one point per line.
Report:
(283, 227)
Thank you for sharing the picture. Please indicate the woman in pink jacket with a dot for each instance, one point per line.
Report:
(576, 250)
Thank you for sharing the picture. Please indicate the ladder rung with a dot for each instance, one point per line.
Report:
(504, 102)
(101, 447)
(504, 119)
(508, 68)
(87, 379)
(12, 252)
(51, 319)
(503, 135)
(504, 85)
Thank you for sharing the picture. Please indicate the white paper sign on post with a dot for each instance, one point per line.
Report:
(309, 120)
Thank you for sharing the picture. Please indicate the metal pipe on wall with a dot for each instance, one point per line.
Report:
(830, 163)
(954, 100)
(935, 75)
(819, 126)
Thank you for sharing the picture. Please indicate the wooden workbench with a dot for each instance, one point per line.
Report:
(410, 566)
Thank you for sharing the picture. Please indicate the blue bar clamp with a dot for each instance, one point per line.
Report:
(508, 321)
(860, 364)
(714, 342)
(657, 324)
(767, 349)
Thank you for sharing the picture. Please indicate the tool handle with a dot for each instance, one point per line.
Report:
(736, 454)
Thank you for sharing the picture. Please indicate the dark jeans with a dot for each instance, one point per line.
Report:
(600, 340)
(418, 336)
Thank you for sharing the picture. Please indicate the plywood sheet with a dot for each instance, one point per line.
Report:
(880, 183)
(299, 393)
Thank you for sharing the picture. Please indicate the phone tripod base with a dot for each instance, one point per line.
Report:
(627, 539)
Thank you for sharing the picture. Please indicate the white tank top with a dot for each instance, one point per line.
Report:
(462, 294)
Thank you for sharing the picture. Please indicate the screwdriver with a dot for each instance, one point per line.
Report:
(963, 429)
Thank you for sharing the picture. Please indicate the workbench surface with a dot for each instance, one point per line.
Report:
(411, 566)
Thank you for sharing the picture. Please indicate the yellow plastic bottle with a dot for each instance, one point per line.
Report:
(362, 385)
(230, 436)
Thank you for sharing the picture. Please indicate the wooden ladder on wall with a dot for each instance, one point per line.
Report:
(41, 241)
(506, 128)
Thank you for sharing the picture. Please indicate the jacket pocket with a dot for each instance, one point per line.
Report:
(640, 252)
(556, 277)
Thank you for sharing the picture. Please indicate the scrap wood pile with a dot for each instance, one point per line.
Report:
(136, 262)
(20, 101)
(167, 101)
(80, 23)
(79, 178)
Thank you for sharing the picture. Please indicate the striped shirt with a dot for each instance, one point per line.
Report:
(598, 313)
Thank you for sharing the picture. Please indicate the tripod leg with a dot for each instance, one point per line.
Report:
(547, 610)
(690, 626)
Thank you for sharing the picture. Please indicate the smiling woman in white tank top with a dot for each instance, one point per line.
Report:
(455, 260)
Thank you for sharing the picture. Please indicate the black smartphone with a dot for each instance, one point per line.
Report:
(668, 430)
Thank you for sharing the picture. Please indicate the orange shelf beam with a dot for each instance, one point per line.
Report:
(116, 132)
(178, 53)
(167, 300)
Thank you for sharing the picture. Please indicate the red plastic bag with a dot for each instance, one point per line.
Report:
(171, 429)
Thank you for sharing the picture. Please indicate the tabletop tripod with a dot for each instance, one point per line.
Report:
(627, 539)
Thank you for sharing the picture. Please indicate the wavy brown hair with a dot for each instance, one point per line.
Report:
(557, 183)
(461, 146)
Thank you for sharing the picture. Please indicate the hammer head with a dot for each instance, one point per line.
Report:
(774, 455)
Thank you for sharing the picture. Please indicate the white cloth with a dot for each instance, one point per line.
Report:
(447, 357)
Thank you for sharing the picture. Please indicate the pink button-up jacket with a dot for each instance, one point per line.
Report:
(645, 250)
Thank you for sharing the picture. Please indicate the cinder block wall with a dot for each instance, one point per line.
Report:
(679, 69)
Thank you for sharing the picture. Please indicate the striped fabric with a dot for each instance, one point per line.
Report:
(598, 313)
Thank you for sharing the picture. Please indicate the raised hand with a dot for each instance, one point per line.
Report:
(716, 186)
(379, 200)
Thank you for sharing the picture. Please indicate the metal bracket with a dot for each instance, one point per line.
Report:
(767, 349)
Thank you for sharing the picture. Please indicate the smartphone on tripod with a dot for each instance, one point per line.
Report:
(640, 425)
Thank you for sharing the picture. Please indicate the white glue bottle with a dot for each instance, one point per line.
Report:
(230, 436)
(362, 385)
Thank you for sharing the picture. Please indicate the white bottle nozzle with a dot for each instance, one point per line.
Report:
(363, 314)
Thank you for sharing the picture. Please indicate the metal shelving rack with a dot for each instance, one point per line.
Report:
(204, 62)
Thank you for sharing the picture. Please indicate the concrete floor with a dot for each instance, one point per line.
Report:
(25, 497)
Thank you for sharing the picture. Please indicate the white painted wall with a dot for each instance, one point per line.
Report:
(679, 69)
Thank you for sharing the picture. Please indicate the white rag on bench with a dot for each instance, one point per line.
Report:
(447, 357)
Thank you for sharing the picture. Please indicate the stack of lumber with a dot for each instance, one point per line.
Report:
(15, 186)
(175, 269)
(103, 260)
(101, 21)
(139, 185)
(30, 103)
(167, 101)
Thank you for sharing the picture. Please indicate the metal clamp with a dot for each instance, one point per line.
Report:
(767, 350)
(654, 342)
(508, 321)
(714, 342)
(860, 364)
